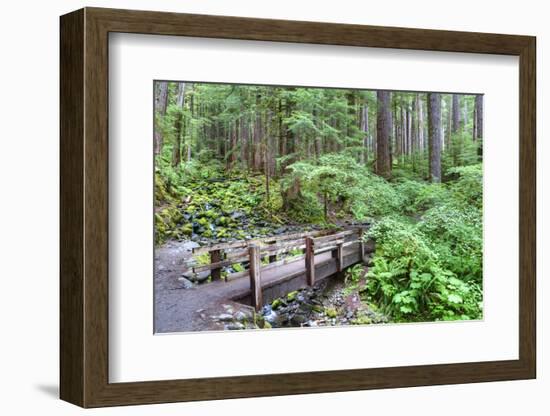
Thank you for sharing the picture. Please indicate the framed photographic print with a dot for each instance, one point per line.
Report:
(255, 207)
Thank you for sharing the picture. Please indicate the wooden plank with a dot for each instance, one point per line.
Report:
(221, 246)
(328, 243)
(283, 262)
(237, 254)
(242, 244)
(282, 246)
(219, 264)
(255, 276)
(237, 275)
(334, 236)
(310, 261)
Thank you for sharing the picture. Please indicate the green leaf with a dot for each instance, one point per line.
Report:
(454, 298)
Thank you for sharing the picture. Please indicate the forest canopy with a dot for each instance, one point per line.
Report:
(238, 161)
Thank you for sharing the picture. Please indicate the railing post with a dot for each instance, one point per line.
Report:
(310, 261)
(255, 277)
(340, 257)
(215, 257)
(361, 245)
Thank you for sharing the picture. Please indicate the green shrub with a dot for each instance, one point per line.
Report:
(411, 283)
(342, 181)
(419, 196)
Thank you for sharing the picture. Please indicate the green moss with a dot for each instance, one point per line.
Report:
(211, 214)
(204, 222)
(222, 233)
(317, 308)
(361, 320)
(166, 224)
(187, 229)
(291, 296)
(162, 196)
(331, 312)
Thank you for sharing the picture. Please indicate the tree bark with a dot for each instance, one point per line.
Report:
(257, 155)
(479, 117)
(383, 134)
(365, 130)
(455, 126)
(420, 108)
(179, 125)
(161, 101)
(434, 123)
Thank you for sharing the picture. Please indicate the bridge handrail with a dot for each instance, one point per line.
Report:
(253, 251)
(270, 247)
(246, 243)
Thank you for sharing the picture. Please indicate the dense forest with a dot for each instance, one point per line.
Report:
(238, 161)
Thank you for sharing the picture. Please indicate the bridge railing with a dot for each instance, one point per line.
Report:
(262, 255)
(226, 254)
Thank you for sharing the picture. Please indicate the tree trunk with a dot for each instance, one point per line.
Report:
(282, 135)
(419, 106)
(161, 101)
(365, 130)
(383, 134)
(479, 117)
(178, 125)
(434, 123)
(257, 151)
(455, 125)
(474, 128)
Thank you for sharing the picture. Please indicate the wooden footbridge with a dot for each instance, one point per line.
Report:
(274, 266)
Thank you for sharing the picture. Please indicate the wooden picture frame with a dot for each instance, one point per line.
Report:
(84, 207)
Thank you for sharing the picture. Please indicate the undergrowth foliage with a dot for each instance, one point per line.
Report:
(430, 267)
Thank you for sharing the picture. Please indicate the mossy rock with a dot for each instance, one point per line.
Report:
(291, 296)
(212, 214)
(166, 224)
(187, 229)
(317, 308)
(162, 194)
(204, 222)
(361, 320)
(222, 221)
(222, 233)
(331, 312)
